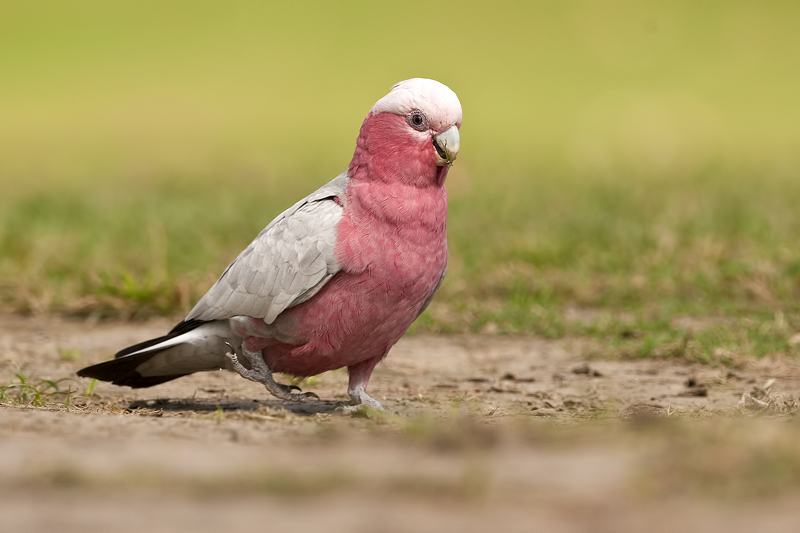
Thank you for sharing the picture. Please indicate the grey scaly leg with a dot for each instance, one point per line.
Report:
(360, 400)
(260, 373)
(357, 387)
(360, 397)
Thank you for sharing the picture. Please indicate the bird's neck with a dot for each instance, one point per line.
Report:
(423, 210)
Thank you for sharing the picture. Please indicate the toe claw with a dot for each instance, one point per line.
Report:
(261, 373)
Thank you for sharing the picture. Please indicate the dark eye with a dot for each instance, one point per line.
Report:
(417, 120)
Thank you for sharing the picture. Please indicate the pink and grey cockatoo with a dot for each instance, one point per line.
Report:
(338, 278)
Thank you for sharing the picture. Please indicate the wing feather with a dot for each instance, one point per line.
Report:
(289, 261)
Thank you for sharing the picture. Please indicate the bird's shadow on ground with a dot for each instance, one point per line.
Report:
(309, 408)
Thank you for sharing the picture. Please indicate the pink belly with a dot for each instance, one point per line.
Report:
(353, 318)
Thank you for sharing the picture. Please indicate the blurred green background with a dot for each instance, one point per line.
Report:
(629, 170)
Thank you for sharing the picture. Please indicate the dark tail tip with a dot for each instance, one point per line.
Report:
(122, 369)
(123, 372)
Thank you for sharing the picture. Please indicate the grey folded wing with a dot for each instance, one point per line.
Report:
(288, 263)
(429, 299)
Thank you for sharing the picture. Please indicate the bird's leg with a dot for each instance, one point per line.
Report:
(357, 387)
(260, 373)
(361, 398)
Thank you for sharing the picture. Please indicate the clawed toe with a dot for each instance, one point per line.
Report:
(260, 373)
(362, 402)
(349, 409)
(289, 388)
(232, 354)
(359, 409)
(300, 396)
(294, 396)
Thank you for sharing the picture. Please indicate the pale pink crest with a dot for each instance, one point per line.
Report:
(435, 99)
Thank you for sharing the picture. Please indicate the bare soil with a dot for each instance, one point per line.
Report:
(489, 433)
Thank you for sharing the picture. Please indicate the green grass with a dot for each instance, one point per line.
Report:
(628, 172)
(26, 390)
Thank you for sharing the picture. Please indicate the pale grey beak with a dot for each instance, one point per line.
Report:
(446, 144)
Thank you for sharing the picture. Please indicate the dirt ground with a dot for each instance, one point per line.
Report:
(489, 433)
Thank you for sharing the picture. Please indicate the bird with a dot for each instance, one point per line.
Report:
(335, 280)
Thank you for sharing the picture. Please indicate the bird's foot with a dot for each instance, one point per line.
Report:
(260, 373)
(361, 400)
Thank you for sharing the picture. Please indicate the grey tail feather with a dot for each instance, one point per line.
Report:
(122, 369)
(184, 326)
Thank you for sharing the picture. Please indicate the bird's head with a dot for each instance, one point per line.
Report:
(411, 134)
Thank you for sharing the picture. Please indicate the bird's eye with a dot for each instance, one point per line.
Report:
(417, 120)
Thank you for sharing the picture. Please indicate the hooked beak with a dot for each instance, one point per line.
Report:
(446, 144)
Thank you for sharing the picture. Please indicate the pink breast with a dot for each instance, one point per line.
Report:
(389, 270)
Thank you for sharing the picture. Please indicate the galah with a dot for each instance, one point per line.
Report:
(337, 279)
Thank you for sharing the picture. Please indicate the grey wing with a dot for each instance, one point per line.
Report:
(289, 262)
(428, 300)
